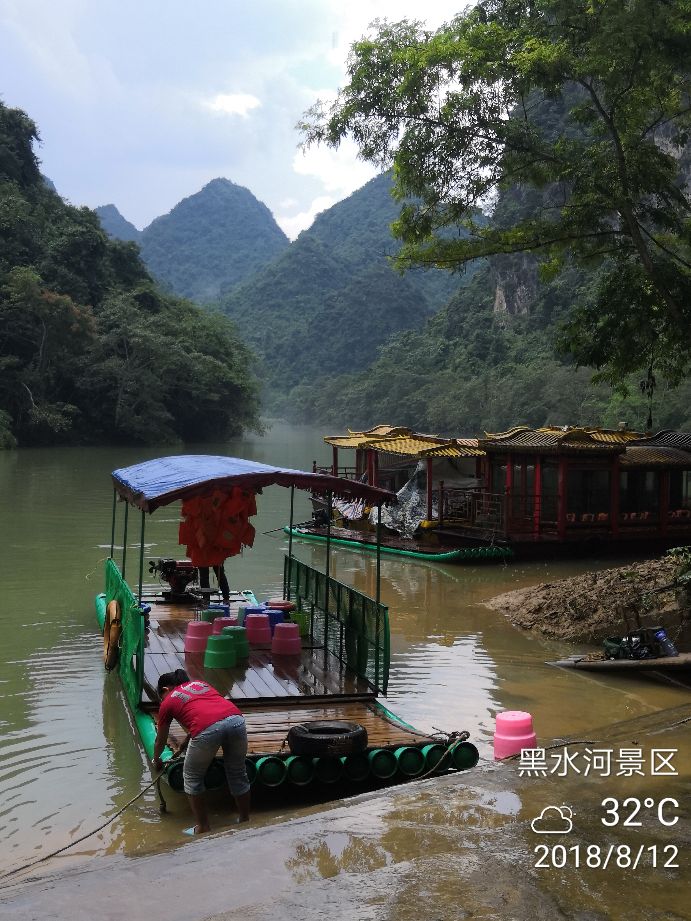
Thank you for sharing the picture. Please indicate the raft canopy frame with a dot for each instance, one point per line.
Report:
(159, 482)
(162, 481)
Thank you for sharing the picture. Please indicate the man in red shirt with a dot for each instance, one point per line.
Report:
(212, 722)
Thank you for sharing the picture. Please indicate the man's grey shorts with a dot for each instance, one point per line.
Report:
(230, 734)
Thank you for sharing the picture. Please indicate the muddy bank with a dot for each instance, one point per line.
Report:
(589, 607)
(459, 847)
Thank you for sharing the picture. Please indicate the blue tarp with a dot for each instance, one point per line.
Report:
(159, 482)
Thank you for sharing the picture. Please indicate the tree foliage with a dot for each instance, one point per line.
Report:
(90, 349)
(585, 104)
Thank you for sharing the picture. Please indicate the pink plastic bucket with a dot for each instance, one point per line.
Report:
(222, 622)
(198, 632)
(199, 628)
(514, 732)
(258, 629)
(286, 640)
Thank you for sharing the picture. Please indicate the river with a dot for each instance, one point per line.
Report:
(68, 754)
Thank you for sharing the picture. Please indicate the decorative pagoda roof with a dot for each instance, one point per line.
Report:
(362, 439)
(606, 436)
(553, 440)
(653, 456)
(667, 439)
(418, 445)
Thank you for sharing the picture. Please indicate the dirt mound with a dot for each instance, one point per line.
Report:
(589, 607)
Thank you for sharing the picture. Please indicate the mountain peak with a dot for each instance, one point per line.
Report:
(115, 225)
(212, 240)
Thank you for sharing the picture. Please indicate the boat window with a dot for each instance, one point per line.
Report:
(639, 491)
(588, 493)
(680, 489)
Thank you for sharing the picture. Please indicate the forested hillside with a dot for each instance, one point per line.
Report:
(90, 349)
(487, 361)
(115, 225)
(332, 299)
(211, 241)
(573, 121)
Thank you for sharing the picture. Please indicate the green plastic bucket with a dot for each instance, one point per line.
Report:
(465, 756)
(209, 615)
(382, 763)
(433, 754)
(251, 768)
(411, 761)
(271, 771)
(220, 652)
(355, 766)
(239, 638)
(327, 770)
(300, 770)
(302, 620)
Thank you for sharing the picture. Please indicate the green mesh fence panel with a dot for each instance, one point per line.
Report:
(131, 660)
(349, 624)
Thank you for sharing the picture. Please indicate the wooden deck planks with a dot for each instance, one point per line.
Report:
(259, 679)
(267, 729)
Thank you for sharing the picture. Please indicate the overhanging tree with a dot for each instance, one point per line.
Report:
(587, 101)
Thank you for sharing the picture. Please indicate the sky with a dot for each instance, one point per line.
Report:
(140, 103)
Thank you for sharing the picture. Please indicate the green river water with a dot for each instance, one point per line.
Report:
(69, 756)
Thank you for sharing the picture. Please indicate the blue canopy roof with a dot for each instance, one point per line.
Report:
(159, 482)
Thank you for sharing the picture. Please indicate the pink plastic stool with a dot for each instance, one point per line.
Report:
(198, 632)
(258, 628)
(514, 732)
(286, 640)
(222, 622)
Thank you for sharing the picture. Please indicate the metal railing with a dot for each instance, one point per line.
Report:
(350, 625)
(131, 657)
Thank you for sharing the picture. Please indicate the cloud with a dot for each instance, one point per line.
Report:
(558, 822)
(232, 103)
(339, 171)
(293, 225)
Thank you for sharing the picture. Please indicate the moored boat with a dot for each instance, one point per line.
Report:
(675, 669)
(331, 678)
(524, 492)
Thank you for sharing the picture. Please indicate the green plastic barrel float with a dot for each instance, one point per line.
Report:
(383, 763)
(411, 761)
(173, 774)
(215, 775)
(464, 756)
(300, 770)
(433, 755)
(355, 766)
(327, 770)
(251, 768)
(271, 771)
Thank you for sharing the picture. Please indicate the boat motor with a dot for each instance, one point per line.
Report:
(177, 573)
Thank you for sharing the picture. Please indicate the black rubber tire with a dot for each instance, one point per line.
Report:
(327, 737)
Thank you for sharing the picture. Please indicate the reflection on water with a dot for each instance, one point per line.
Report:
(68, 753)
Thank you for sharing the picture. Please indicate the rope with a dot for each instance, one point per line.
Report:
(454, 739)
(60, 850)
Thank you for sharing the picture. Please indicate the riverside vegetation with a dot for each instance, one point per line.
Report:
(91, 350)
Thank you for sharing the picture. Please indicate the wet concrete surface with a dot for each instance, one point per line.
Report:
(457, 847)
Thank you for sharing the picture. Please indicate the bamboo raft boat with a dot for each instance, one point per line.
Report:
(676, 669)
(340, 673)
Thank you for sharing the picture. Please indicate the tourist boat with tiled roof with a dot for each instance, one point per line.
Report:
(424, 471)
(335, 668)
(524, 491)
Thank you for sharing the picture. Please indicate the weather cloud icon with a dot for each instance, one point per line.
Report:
(553, 820)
